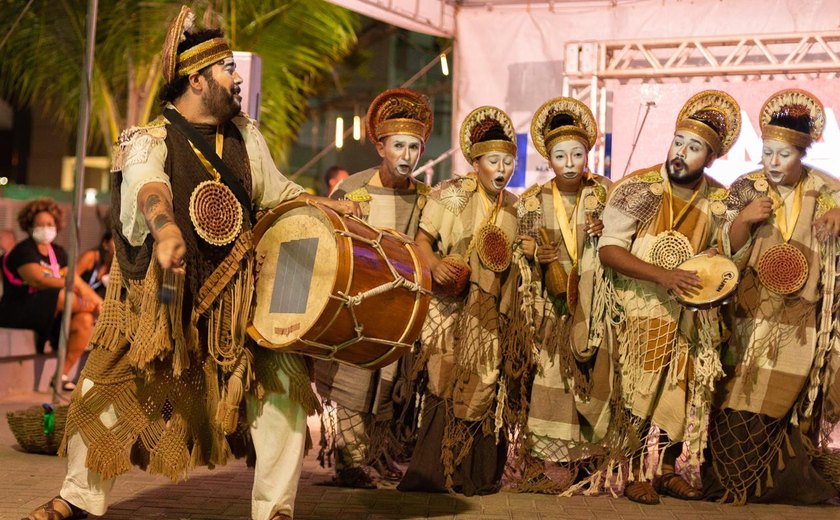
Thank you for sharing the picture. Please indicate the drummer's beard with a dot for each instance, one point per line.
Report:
(678, 172)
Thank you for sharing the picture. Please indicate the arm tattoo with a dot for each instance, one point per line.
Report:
(157, 209)
(161, 221)
(151, 201)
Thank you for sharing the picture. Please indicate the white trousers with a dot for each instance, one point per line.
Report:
(278, 430)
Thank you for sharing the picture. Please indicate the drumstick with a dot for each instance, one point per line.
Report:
(168, 285)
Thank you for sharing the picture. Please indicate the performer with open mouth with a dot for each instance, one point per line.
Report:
(466, 231)
(656, 219)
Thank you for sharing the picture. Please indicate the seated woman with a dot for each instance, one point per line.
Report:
(33, 280)
(94, 265)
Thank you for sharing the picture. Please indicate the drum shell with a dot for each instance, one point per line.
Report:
(393, 316)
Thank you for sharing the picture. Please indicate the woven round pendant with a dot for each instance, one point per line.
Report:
(572, 288)
(216, 213)
(669, 250)
(783, 269)
(493, 248)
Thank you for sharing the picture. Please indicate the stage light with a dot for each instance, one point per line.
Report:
(357, 127)
(4, 181)
(444, 65)
(90, 197)
(339, 132)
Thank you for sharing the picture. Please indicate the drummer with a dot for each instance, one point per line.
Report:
(565, 396)
(398, 123)
(773, 405)
(655, 219)
(466, 233)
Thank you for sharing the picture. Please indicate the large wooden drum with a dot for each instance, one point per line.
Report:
(334, 287)
(719, 278)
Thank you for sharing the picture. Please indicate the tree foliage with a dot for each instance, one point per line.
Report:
(41, 63)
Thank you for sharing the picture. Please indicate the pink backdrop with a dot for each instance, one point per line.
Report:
(629, 102)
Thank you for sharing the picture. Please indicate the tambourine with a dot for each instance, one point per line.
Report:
(719, 277)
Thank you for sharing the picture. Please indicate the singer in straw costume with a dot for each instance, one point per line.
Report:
(654, 220)
(466, 232)
(565, 408)
(170, 364)
(779, 398)
(362, 434)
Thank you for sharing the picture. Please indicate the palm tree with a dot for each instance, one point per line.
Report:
(298, 40)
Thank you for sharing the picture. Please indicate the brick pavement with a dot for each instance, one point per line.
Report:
(27, 480)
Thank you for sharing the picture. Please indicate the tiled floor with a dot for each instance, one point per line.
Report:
(27, 480)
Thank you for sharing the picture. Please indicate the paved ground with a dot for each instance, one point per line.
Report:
(27, 480)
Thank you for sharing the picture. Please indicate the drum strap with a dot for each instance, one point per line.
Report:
(201, 144)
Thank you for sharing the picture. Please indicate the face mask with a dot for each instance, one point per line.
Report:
(44, 234)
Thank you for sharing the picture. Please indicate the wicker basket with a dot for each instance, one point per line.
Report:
(827, 464)
(28, 427)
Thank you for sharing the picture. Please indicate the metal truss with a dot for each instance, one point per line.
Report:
(589, 63)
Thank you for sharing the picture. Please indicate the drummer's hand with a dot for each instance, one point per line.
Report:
(547, 253)
(444, 273)
(529, 246)
(712, 251)
(679, 281)
(170, 248)
(595, 227)
(828, 225)
(757, 211)
(347, 207)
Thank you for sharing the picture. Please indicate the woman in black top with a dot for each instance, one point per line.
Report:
(33, 286)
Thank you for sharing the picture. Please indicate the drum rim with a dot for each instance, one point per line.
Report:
(706, 304)
(343, 274)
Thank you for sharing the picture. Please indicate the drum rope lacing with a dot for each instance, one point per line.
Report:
(351, 301)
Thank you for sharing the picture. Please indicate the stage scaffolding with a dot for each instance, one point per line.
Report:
(590, 65)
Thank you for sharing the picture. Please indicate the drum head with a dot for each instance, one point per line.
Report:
(719, 278)
(299, 266)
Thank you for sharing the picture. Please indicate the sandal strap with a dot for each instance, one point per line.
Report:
(641, 491)
(681, 489)
(56, 509)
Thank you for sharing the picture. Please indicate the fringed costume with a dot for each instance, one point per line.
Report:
(669, 356)
(564, 381)
(778, 401)
(164, 384)
(374, 412)
(461, 443)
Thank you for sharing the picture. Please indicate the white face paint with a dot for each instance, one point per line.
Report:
(400, 154)
(687, 158)
(568, 160)
(494, 170)
(782, 162)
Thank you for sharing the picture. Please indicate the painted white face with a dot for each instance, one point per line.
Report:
(687, 158)
(782, 162)
(568, 159)
(400, 153)
(494, 170)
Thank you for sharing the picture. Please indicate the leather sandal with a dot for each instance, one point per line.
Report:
(672, 485)
(57, 509)
(387, 470)
(641, 492)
